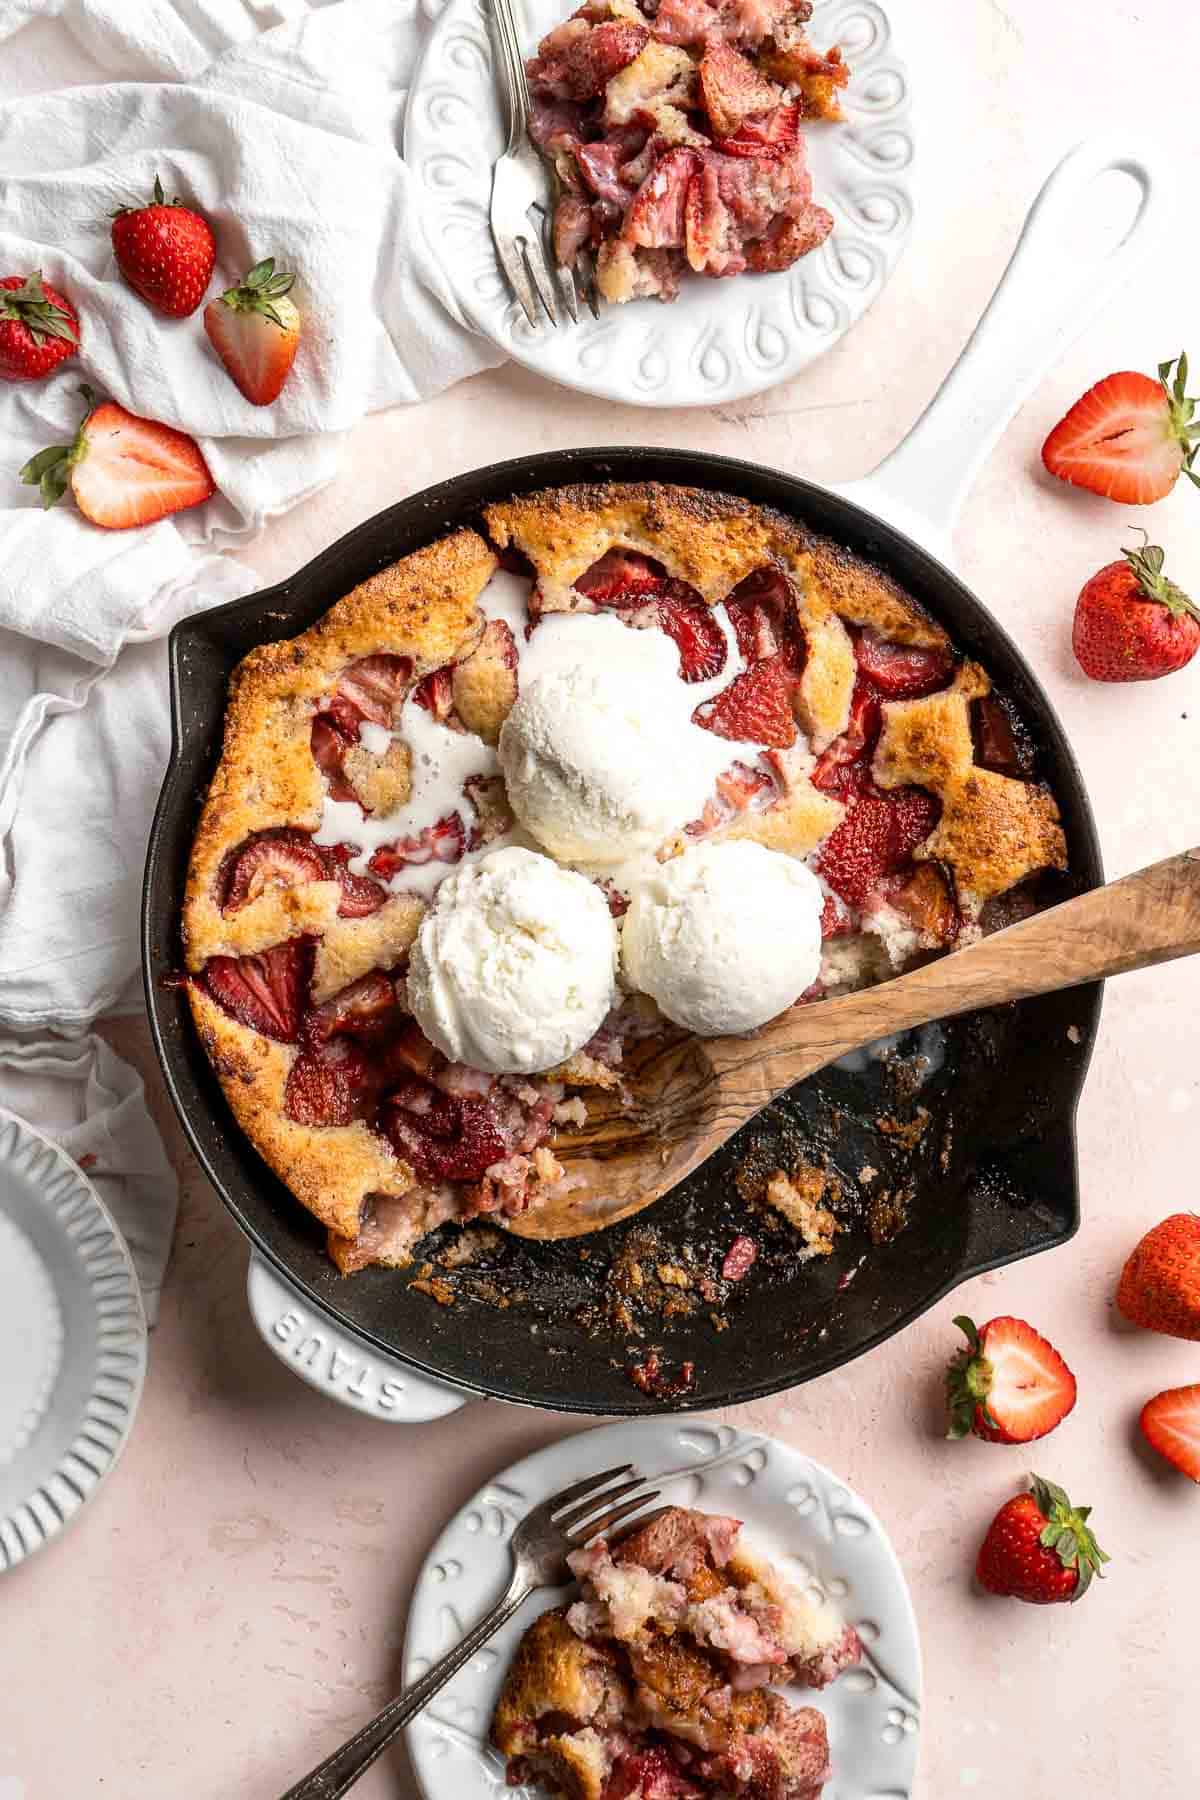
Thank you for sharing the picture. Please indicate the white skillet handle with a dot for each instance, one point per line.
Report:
(1048, 294)
(337, 1364)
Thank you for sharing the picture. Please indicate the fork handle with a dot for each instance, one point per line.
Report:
(338, 1773)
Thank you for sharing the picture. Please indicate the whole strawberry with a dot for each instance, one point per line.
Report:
(1039, 1548)
(1009, 1386)
(1132, 623)
(255, 330)
(1160, 1284)
(38, 328)
(1129, 438)
(165, 252)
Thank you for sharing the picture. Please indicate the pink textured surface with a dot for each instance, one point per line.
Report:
(233, 1603)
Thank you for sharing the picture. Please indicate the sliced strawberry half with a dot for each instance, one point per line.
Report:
(444, 842)
(282, 858)
(769, 134)
(265, 992)
(1171, 1424)
(762, 608)
(360, 895)
(845, 767)
(657, 213)
(459, 1140)
(331, 1086)
(876, 839)
(435, 692)
(755, 708)
(901, 671)
(1009, 1386)
(367, 1008)
(371, 688)
(698, 636)
(1129, 437)
(622, 578)
(329, 744)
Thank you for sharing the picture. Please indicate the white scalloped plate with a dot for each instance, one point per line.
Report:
(72, 1340)
(793, 1508)
(721, 340)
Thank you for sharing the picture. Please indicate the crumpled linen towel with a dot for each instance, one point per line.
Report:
(287, 138)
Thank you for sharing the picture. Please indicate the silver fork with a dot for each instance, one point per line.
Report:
(525, 190)
(539, 1550)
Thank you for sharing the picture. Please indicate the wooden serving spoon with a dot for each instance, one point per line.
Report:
(685, 1097)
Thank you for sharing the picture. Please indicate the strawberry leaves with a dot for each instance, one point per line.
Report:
(1068, 1535)
(29, 305)
(259, 289)
(1147, 564)
(1183, 411)
(50, 470)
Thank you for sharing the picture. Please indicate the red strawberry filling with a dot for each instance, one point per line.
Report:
(333, 1084)
(270, 859)
(371, 688)
(901, 671)
(444, 842)
(360, 895)
(756, 707)
(368, 1008)
(443, 1138)
(435, 692)
(997, 744)
(769, 134)
(622, 578)
(330, 742)
(876, 839)
(267, 991)
(844, 767)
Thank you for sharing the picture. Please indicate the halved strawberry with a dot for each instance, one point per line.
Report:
(769, 134)
(656, 215)
(334, 1086)
(763, 612)
(1129, 438)
(122, 470)
(435, 692)
(1171, 1424)
(731, 88)
(444, 842)
(901, 671)
(875, 839)
(279, 858)
(700, 640)
(360, 895)
(756, 707)
(845, 767)
(621, 578)
(1009, 1386)
(265, 992)
(366, 1008)
(329, 745)
(371, 688)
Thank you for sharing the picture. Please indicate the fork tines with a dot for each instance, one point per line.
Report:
(597, 1514)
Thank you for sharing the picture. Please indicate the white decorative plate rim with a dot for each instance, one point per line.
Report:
(108, 1409)
(721, 341)
(785, 1497)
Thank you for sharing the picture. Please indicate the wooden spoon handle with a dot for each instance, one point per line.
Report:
(1150, 917)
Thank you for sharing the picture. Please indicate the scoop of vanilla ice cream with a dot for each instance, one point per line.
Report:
(725, 936)
(599, 762)
(514, 965)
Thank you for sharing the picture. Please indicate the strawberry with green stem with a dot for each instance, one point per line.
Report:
(1132, 623)
(122, 470)
(166, 252)
(1129, 438)
(255, 330)
(1009, 1385)
(39, 328)
(1039, 1548)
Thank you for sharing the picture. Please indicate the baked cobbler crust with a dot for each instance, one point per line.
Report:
(984, 830)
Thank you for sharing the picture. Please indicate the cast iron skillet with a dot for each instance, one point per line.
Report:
(993, 1179)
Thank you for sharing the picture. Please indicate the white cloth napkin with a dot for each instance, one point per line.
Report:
(287, 139)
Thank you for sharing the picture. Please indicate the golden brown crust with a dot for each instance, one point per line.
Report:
(553, 1671)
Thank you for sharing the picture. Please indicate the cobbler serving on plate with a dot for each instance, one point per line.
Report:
(661, 1682)
(674, 127)
(640, 759)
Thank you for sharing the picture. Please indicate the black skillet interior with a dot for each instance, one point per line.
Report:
(992, 1178)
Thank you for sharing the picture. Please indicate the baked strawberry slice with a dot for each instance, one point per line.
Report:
(656, 215)
(1171, 1425)
(712, 238)
(267, 991)
(435, 692)
(281, 858)
(875, 839)
(444, 842)
(731, 88)
(901, 671)
(836, 919)
(360, 895)
(367, 1008)
(926, 901)
(770, 134)
(463, 1152)
(1129, 438)
(329, 745)
(331, 1086)
(762, 609)
(844, 768)
(371, 688)
(408, 1053)
(755, 708)
(997, 744)
(621, 578)
(1009, 1386)
(696, 633)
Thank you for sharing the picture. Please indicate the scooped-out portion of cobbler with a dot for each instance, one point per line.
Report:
(661, 1681)
(675, 130)
(827, 719)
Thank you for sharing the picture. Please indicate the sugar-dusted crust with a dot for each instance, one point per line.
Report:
(994, 830)
(331, 1169)
(422, 607)
(554, 1674)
